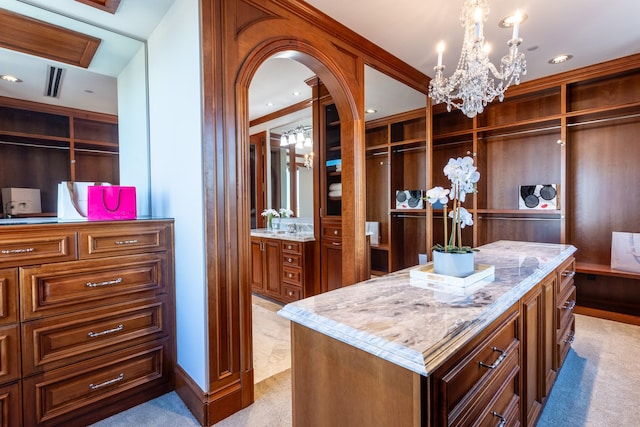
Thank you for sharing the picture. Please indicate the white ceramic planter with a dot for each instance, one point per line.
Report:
(452, 264)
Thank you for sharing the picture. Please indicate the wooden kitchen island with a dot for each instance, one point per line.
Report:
(399, 351)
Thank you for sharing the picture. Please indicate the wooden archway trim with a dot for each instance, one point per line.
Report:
(237, 35)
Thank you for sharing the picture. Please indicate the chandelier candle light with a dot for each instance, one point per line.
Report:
(470, 88)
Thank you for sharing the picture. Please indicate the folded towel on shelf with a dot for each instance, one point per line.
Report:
(337, 193)
(336, 186)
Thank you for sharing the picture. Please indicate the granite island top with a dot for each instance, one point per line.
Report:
(416, 325)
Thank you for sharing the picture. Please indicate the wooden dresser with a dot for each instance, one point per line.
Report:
(87, 324)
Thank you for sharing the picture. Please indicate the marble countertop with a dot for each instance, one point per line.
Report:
(299, 236)
(415, 324)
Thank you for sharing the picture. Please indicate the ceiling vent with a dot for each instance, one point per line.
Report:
(54, 81)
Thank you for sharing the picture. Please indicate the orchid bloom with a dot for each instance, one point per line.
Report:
(437, 194)
(464, 216)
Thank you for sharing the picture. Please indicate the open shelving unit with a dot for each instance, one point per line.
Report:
(41, 145)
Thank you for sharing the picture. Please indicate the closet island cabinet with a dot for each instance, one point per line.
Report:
(95, 333)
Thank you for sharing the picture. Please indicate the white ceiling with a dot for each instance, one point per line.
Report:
(592, 31)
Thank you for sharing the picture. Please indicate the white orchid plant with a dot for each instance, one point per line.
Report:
(464, 178)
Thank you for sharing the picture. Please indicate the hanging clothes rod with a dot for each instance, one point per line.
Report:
(26, 144)
(506, 218)
(608, 119)
(410, 216)
(402, 150)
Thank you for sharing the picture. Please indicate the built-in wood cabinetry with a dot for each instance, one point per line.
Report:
(96, 329)
(42, 145)
(396, 153)
(328, 217)
(574, 130)
(282, 269)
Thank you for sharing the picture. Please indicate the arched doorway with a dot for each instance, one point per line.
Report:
(316, 61)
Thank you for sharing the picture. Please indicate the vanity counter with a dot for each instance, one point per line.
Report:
(298, 236)
(413, 324)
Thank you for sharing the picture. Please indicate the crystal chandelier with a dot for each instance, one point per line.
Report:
(471, 88)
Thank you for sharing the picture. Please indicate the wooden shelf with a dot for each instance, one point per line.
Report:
(381, 247)
(522, 212)
(604, 270)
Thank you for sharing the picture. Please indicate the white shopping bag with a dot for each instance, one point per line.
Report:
(72, 199)
(625, 251)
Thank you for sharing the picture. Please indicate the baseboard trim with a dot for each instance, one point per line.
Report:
(210, 408)
(192, 395)
(608, 315)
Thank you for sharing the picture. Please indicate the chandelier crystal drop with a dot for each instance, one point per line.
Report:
(470, 88)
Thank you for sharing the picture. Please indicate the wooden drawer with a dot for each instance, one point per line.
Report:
(331, 231)
(11, 405)
(62, 396)
(122, 239)
(291, 260)
(8, 296)
(467, 377)
(291, 292)
(566, 273)
(292, 275)
(292, 247)
(57, 341)
(65, 287)
(565, 339)
(499, 399)
(36, 247)
(565, 305)
(9, 353)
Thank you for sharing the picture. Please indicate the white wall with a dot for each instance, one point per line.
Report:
(132, 130)
(177, 170)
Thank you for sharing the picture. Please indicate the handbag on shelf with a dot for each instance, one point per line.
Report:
(113, 202)
(625, 251)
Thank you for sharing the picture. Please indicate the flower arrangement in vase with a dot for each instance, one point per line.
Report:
(270, 214)
(452, 258)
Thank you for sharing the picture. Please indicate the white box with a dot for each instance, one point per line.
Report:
(20, 201)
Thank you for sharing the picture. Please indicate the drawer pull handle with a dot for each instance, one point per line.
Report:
(569, 305)
(336, 243)
(126, 242)
(498, 361)
(289, 260)
(290, 293)
(290, 275)
(568, 273)
(106, 383)
(571, 338)
(335, 232)
(107, 332)
(108, 282)
(17, 251)
(289, 247)
(503, 420)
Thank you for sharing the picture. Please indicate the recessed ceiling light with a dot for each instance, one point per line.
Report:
(370, 111)
(510, 20)
(295, 93)
(560, 59)
(10, 78)
(269, 104)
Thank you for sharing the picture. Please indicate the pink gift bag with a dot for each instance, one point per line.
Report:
(111, 202)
